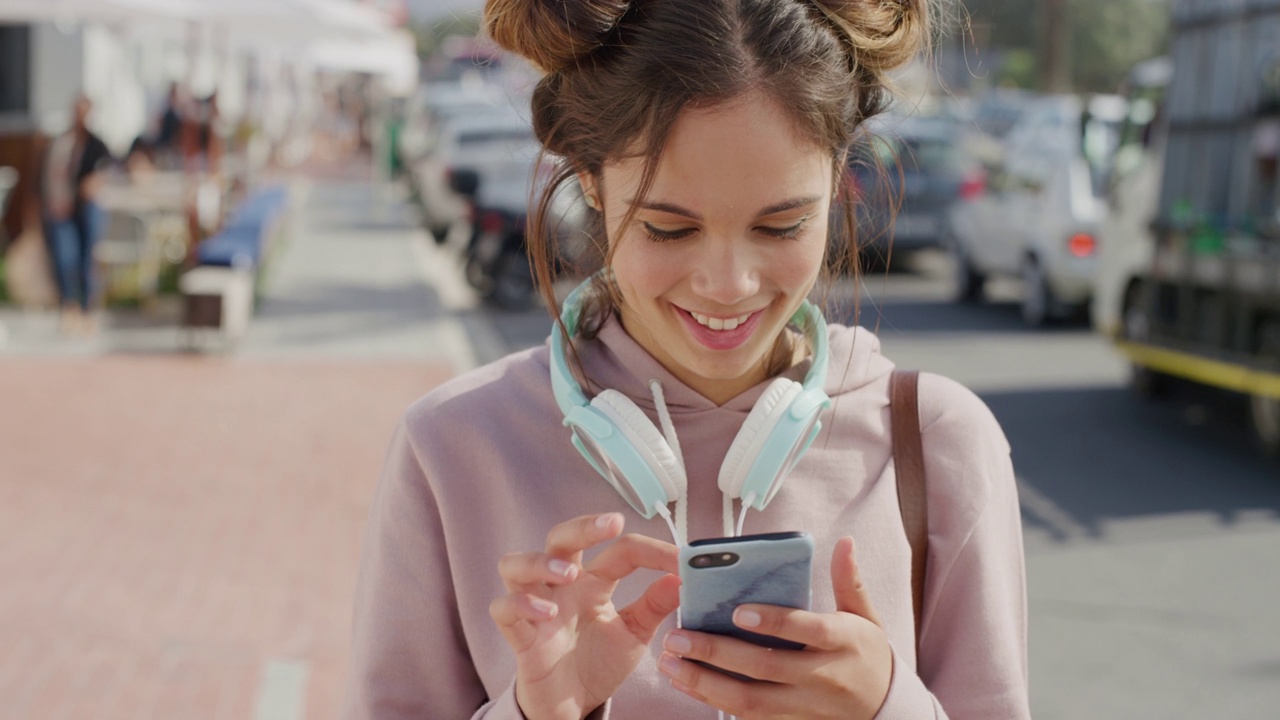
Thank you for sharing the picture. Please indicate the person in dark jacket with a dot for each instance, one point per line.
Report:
(70, 180)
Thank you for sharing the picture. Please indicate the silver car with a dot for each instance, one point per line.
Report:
(1042, 207)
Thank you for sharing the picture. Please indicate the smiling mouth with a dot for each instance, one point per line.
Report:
(720, 323)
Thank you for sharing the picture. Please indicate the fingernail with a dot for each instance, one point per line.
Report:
(747, 618)
(678, 643)
(561, 568)
(546, 608)
(669, 665)
(604, 521)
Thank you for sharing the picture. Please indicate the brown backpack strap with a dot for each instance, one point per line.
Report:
(908, 462)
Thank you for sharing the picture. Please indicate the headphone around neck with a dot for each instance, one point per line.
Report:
(628, 450)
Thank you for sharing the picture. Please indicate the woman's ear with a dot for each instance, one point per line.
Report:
(590, 190)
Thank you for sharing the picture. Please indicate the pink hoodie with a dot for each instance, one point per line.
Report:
(482, 466)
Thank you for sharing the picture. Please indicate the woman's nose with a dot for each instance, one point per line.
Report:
(727, 272)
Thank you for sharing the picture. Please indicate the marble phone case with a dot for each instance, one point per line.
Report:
(772, 569)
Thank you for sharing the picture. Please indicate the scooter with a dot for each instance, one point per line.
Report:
(496, 262)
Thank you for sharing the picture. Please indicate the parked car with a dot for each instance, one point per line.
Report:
(494, 143)
(1040, 211)
(905, 178)
(999, 111)
(435, 104)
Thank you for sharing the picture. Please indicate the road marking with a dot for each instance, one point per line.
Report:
(442, 271)
(282, 694)
(1042, 508)
(469, 339)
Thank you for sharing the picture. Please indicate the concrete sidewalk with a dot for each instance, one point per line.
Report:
(179, 532)
(357, 279)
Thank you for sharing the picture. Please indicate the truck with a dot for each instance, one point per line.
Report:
(1198, 296)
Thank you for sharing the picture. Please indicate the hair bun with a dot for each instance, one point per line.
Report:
(552, 34)
(884, 34)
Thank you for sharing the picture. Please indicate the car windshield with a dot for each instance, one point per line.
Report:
(491, 135)
(929, 155)
(925, 154)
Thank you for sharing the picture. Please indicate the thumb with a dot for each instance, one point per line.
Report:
(851, 594)
(644, 616)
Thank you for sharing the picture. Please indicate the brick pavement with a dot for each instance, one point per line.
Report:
(173, 527)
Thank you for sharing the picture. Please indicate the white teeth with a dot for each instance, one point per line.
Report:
(719, 324)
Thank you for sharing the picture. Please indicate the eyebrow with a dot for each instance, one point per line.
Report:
(771, 210)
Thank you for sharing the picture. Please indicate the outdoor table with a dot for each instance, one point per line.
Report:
(152, 231)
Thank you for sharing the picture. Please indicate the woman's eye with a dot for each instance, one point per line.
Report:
(660, 235)
(786, 233)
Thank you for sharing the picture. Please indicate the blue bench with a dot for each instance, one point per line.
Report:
(242, 239)
(239, 247)
(218, 293)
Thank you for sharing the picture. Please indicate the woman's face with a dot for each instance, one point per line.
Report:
(725, 246)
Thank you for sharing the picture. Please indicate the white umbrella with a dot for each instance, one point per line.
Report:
(100, 10)
(338, 34)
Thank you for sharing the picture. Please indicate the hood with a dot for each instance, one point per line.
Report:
(617, 361)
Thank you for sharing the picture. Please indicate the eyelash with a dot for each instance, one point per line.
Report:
(656, 235)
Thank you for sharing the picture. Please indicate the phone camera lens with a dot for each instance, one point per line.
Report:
(714, 560)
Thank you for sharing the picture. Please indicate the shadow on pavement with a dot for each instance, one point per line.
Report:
(931, 316)
(1102, 454)
(409, 302)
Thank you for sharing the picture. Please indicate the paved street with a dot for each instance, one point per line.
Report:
(179, 533)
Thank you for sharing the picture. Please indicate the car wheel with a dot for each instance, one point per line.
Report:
(476, 276)
(1037, 298)
(1264, 418)
(439, 233)
(1264, 411)
(513, 282)
(872, 261)
(968, 281)
(1145, 382)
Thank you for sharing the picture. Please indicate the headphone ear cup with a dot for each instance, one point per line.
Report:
(750, 439)
(646, 439)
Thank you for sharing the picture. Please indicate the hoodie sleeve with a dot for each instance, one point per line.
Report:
(409, 658)
(973, 650)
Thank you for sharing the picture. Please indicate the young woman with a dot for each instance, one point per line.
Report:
(709, 139)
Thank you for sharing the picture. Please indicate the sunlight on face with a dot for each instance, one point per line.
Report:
(726, 245)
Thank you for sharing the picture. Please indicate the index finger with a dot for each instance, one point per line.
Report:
(568, 539)
(632, 552)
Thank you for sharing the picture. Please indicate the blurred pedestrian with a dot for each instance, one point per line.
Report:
(140, 160)
(167, 143)
(709, 139)
(71, 177)
(201, 137)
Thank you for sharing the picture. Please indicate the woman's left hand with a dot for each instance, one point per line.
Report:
(843, 672)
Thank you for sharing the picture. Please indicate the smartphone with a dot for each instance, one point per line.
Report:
(719, 574)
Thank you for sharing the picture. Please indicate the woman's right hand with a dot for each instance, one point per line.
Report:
(573, 647)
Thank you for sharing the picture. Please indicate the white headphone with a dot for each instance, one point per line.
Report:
(625, 447)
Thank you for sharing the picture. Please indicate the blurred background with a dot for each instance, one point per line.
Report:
(304, 214)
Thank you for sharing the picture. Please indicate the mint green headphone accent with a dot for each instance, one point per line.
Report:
(631, 454)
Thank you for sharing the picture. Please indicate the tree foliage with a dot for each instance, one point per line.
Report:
(1104, 37)
(431, 35)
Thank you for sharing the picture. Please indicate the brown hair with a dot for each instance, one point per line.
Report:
(619, 72)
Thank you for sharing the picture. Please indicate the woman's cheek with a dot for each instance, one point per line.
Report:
(801, 262)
